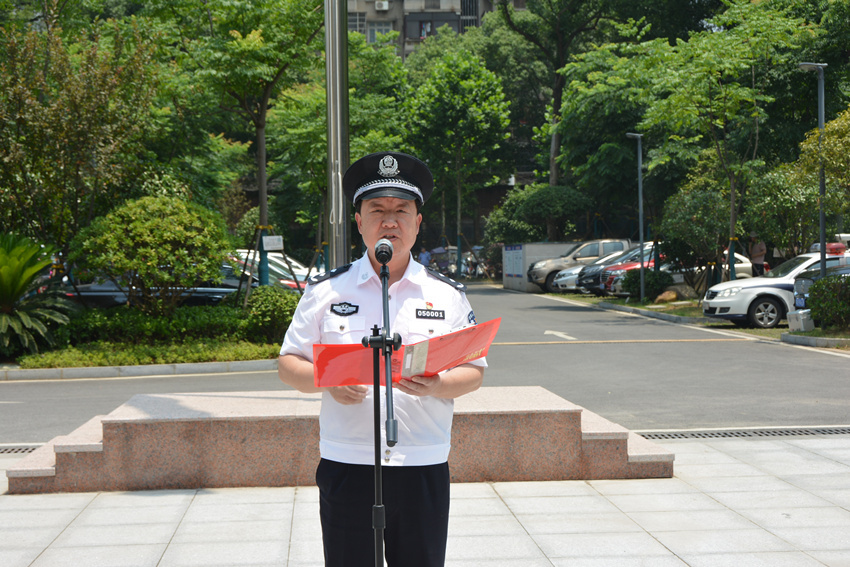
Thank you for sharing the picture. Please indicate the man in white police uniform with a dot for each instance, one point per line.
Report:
(342, 306)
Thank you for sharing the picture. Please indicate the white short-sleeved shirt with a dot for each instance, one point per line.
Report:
(342, 309)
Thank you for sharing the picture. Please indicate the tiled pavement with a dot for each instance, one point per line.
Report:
(744, 502)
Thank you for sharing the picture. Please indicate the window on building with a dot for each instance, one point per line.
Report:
(426, 29)
(468, 14)
(357, 22)
(378, 27)
(519, 4)
(432, 5)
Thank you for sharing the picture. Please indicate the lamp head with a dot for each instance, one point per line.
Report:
(817, 67)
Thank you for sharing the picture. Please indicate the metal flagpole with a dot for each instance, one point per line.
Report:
(336, 69)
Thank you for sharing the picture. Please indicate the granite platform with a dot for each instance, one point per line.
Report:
(271, 439)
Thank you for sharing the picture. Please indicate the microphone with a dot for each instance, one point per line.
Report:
(384, 251)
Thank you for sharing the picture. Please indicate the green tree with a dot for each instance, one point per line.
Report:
(25, 315)
(533, 213)
(298, 127)
(694, 219)
(557, 29)
(473, 118)
(832, 151)
(157, 248)
(782, 206)
(709, 91)
(71, 119)
(245, 52)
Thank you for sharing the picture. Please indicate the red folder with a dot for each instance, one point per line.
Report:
(345, 365)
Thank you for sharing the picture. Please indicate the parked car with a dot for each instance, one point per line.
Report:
(543, 273)
(611, 276)
(765, 300)
(590, 277)
(278, 275)
(613, 285)
(105, 293)
(567, 279)
(299, 270)
(804, 281)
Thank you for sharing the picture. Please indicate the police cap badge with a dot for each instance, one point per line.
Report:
(388, 174)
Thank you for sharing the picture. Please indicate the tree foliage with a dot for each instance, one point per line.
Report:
(459, 148)
(72, 115)
(26, 316)
(245, 52)
(298, 127)
(157, 248)
(557, 30)
(695, 218)
(832, 151)
(706, 92)
(782, 206)
(534, 213)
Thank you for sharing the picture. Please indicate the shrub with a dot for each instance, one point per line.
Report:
(270, 312)
(26, 316)
(187, 323)
(158, 247)
(829, 300)
(125, 354)
(654, 283)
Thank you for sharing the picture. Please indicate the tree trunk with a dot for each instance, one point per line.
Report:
(261, 170)
(555, 145)
(443, 215)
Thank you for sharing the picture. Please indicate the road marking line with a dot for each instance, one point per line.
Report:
(564, 336)
(622, 341)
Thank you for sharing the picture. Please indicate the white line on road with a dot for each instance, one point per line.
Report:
(564, 336)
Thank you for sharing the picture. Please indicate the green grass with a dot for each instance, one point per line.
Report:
(694, 310)
(103, 353)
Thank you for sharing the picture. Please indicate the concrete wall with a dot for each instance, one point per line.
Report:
(516, 259)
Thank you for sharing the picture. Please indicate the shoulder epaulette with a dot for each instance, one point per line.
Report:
(313, 280)
(445, 279)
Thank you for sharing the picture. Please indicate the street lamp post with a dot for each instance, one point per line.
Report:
(819, 67)
(336, 72)
(640, 206)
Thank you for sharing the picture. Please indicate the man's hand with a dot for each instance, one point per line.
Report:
(450, 384)
(348, 395)
(420, 385)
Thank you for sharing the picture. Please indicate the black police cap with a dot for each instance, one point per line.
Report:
(388, 174)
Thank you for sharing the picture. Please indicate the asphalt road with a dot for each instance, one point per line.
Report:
(642, 373)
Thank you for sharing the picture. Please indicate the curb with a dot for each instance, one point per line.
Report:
(10, 374)
(799, 340)
(819, 342)
(653, 314)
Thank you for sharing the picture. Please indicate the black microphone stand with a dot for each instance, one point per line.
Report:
(381, 342)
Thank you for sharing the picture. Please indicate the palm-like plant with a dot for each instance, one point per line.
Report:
(25, 315)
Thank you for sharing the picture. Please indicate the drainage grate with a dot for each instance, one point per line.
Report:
(16, 450)
(744, 433)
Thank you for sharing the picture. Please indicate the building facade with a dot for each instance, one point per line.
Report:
(415, 20)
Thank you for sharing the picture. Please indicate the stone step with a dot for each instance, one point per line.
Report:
(230, 439)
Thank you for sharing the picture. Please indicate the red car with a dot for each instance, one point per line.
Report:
(612, 275)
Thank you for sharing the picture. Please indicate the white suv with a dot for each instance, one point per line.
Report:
(763, 301)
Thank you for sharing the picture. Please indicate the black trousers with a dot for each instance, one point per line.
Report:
(416, 500)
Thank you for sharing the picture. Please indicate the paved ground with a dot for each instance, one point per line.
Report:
(740, 502)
